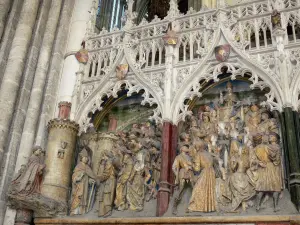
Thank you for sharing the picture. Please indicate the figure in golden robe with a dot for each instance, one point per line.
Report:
(206, 127)
(123, 177)
(83, 186)
(204, 193)
(184, 175)
(230, 99)
(240, 187)
(269, 170)
(136, 182)
(107, 173)
(29, 178)
(253, 119)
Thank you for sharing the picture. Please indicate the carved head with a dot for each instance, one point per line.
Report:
(229, 87)
(199, 145)
(265, 116)
(274, 137)
(184, 149)
(84, 157)
(254, 108)
(206, 118)
(37, 150)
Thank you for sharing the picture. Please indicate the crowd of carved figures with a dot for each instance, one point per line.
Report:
(228, 153)
(230, 156)
(126, 177)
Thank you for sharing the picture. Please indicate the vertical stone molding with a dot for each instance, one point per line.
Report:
(59, 159)
(14, 69)
(37, 92)
(166, 168)
(23, 217)
(77, 33)
(4, 8)
(64, 110)
(292, 152)
(56, 64)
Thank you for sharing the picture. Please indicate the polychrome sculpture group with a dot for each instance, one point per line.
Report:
(229, 155)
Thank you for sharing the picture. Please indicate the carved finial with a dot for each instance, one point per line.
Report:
(92, 20)
(173, 10)
(130, 15)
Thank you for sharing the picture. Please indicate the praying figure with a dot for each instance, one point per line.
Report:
(28, 180)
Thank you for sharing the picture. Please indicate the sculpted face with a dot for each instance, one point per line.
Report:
(38, 152)
(205, 118)
(254, 108)
(84, 159)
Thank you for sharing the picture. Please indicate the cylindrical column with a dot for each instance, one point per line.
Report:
(39, 81)
(14, 69)
(4, 8)
(77, 32)
(164, 185)
(59, 158)
(293, 158)
(51, 89)
(174, 136)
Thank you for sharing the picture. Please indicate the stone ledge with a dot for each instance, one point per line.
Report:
(294, 219)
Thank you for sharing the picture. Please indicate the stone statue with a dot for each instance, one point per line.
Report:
(83, 186)
(253, 119)
(136, 182)
(230, 99)
(240, 187)
(122, 179)
(269, 170)
(184, 176)
(107, 173)
(204, 193)
(28, 180)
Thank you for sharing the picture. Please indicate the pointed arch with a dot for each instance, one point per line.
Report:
(207, 70)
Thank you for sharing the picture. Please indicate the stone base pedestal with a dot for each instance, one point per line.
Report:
(232, 220)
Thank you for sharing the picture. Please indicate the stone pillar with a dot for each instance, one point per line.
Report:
(293, 155)
(64, 110)
(4, 8)
(24, 217)
(166, 168)
(55, 68)
(8, 34)
(113, 123)
(174, 136)
(14, 68)
(8, 164)
(37, 91)
(59, 159)
(77, 33)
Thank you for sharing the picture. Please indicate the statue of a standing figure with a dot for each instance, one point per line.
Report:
(184, 175)
(28, 180)
(269, 170)
(203, 197)
(136, 181)
(107, 174)
(123, 176)
(83, 186)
